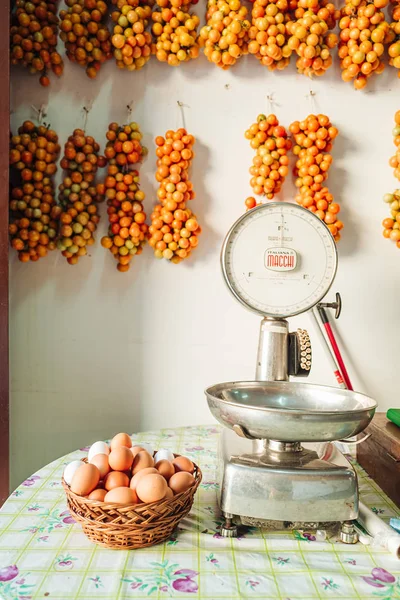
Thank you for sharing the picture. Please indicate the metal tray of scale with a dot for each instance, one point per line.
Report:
(288, 412)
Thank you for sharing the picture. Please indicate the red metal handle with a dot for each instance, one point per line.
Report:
(338, 356)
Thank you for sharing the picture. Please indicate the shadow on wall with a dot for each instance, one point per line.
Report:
(202, 202)
(337, 183)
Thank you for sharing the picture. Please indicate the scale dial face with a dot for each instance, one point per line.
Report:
(279, 259)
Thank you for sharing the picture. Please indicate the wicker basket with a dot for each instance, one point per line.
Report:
(121, 527)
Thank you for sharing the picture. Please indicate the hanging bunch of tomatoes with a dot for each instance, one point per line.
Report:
(174, 229)
(175, 32)
(391, 225)
(225, 36)
(363, 36)
(270, 164)
(85, 34)
(127, 219)
(313, 140)
(311, 37)
(34, 214)
(131, 41)
(78, 195)
(268, 35)
(33, 38)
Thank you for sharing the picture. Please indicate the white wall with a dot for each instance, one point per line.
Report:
(94, 351)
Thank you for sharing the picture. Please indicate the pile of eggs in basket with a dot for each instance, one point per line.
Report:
(123, 473)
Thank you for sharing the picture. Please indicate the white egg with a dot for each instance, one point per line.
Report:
(147, 447)
(163, 454)
(98, 448)
(70, 469)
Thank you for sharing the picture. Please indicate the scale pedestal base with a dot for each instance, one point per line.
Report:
(263, 482)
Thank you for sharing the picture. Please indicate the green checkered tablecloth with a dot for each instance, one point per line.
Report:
(44, 554)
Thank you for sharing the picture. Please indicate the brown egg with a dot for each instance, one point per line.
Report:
(85, 479)
(101, 462)
(141, 461)
(116, 479)
(135, 450)
(165, 468)
(97, 494)
(139, 475)
(120, 459)
(170, 493)
(151, 488)
(121, 439)
(181, 463)
(121, 495)
(181, 481)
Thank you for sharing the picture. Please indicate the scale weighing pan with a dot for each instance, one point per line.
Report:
(289, 412)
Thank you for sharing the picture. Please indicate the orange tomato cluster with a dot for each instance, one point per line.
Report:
(317, 7)
(124, 144)
(85, 34)
(364, 33)
(131, 41)
(174, 229)
(78, 195)
(270, 164)
(312, 40)
(127, 220)
(175, 32)
(313, 139)
(34, 214)
(268, 36)
(391, 225)
(394, 48)
(224, 37)
(33, 38)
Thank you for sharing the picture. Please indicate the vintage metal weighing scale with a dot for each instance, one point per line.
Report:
(279, 260)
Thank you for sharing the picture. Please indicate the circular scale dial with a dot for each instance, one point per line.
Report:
(279, 259)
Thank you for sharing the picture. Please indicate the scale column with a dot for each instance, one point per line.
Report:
(273, 350)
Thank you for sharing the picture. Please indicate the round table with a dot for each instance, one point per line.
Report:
(44, 554)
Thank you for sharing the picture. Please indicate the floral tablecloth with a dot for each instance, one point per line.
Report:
(44, 554)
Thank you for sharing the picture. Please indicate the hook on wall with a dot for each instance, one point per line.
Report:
(311, 97)
(86, 110)
(129, 108)
(181, 106)
(40, 112)
(271, 100)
